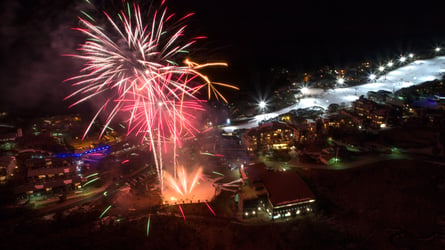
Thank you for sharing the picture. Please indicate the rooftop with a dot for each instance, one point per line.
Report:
(283, 187)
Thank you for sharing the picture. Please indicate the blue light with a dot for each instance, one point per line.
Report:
(65, 155)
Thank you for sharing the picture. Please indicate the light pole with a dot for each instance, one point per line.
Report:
(402, 59)
(372, 77)
(262, 105)
(390, 64)
(341, 80)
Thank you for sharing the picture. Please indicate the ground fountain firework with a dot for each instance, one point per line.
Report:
(193, 187)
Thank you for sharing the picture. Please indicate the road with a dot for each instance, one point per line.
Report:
(362, 160)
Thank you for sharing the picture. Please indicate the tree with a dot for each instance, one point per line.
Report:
(333, 107)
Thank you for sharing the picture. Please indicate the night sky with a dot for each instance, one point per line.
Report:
(252, 36)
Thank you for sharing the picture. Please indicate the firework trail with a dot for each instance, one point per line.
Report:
(182, 212)
(211, 210)
(132, 59)
(148, 225)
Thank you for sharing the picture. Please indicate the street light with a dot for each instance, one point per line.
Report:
(262, 105)
(340, 80)
(437, 49)
(381, 68)
(411, 55)
(402, 59)
(372, 77)
(390, 64)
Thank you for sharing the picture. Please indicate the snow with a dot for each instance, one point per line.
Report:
(414, 73)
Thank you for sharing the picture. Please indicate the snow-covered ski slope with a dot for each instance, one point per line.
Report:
(414, 73)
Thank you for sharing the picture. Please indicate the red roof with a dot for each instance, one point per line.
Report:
(283, 187)
(255, 171)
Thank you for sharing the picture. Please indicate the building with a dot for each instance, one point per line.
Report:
(46, 175)
(378, 96)
(7, 166)
(8, 136)
(371, 114)
(270, 136)
(286, 193)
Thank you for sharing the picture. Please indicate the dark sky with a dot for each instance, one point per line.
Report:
(252, 36)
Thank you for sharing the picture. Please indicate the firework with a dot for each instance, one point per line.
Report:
(148, 224)
(182, 212)
(105, 211)
(182, 184)
(132, 61)
(188, 187)
(211, 210)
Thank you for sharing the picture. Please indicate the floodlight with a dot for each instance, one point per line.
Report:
(262, 104)
(340, 80)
